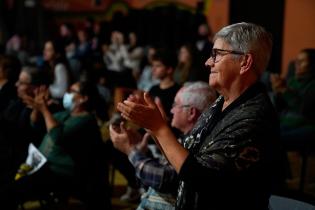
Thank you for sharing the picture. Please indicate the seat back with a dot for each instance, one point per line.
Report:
(284, 203)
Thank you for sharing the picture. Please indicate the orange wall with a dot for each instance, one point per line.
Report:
(299, 29)
(299, 25)
(218, 15)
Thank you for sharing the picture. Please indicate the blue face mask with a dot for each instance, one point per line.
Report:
(68, 101)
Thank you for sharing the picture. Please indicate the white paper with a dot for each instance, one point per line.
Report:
(35, 159)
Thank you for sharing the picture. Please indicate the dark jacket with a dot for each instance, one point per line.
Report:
(234, 155)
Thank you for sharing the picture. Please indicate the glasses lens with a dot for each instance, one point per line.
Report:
(214, 55)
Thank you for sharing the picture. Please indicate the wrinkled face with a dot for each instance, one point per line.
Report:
(23, 85)
(183, 55)
(159, 70)
(49, 51)
(225, 69)
(301, 64)
(180, 113)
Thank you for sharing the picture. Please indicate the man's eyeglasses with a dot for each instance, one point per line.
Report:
(217, 54)
(179, 105)
(19, 82)
(72, 90)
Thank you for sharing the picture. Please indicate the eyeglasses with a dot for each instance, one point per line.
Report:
(180, 106)
(19, 82)
(217, 54)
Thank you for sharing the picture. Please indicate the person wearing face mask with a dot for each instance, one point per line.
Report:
(73, 148)
(68, 101)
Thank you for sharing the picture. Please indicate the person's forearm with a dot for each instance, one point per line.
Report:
(173, 150)
(153, 172)
(49, 120)
(35, 116)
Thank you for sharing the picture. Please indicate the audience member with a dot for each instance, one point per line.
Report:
(9, 73)
(17, 46)
(230, 160)
(295, 101)
(56, 64)
(96, 37)
(163, 67)
(73, 148)
(115, 56)
(66, 34)
(73, 60)
(16, 131)
(189, 68)
(203, 42)
(16, 116)
(157, 174)
(135, 55)
(146, 79)
(83, 46)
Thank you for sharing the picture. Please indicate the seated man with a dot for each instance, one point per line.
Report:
(157, 174)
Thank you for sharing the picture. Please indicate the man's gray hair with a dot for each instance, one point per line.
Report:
(197, 94)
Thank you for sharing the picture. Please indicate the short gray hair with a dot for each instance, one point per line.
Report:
(197, 94)
(249, 38)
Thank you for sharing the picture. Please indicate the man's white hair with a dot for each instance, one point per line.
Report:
(197, 94)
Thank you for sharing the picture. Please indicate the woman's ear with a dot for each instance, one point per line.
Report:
(246, 63)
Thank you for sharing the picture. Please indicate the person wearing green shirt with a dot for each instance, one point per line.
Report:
(73, 148)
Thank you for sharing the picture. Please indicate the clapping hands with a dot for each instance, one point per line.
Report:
(39, 101)
(145, 113)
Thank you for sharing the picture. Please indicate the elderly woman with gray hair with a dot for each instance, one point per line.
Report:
(230, 159)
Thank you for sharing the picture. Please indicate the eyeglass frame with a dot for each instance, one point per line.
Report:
(214, 53)
(18, 82)
(180, 106)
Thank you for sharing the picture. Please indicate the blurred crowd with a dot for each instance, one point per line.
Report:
(64, 99)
